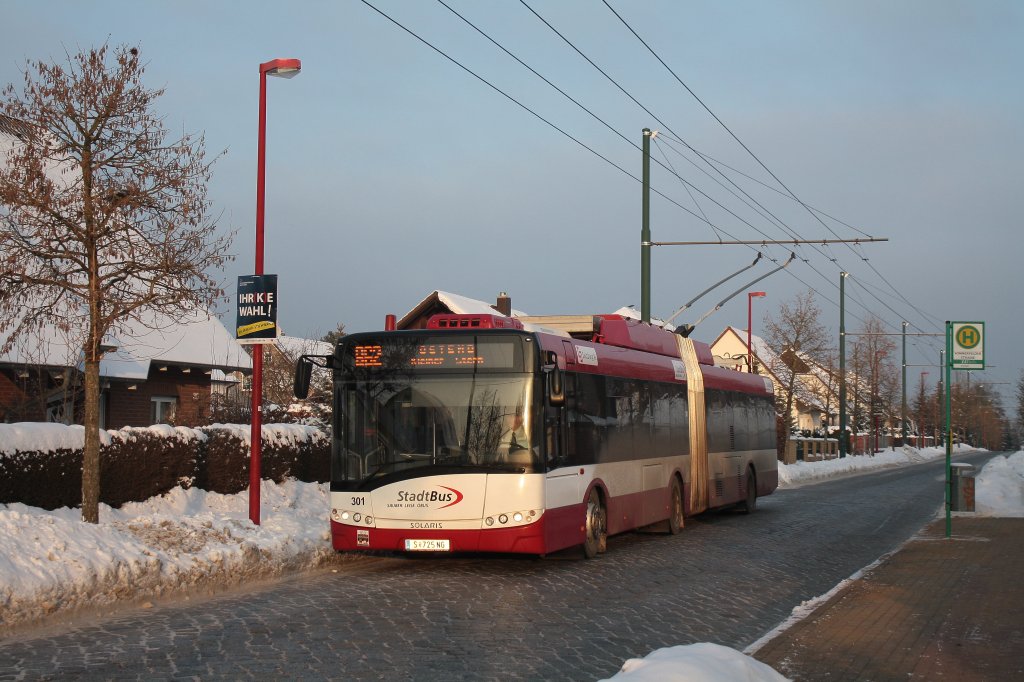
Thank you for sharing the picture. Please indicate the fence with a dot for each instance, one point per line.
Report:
(810, 450)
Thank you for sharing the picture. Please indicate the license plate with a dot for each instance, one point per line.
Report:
(426, 546)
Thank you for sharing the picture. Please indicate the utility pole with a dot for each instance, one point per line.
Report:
(903, 414)
(842, 364)
(645, 232)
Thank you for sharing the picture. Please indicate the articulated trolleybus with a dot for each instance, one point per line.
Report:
(484, 433)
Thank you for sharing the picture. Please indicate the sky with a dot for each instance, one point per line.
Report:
(392, 172)
(168, 544)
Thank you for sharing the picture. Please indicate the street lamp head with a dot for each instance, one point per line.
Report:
(282, 68)
(756, 293)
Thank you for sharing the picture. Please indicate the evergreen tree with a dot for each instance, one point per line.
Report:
(332, 337)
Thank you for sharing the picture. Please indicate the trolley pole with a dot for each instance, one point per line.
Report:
(645, 232)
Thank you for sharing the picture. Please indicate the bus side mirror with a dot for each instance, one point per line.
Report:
(556, 389)
(303, 372)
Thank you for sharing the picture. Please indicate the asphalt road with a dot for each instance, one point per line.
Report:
(728, 578)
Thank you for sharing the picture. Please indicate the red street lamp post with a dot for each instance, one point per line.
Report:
(284, 68)
(750, 301)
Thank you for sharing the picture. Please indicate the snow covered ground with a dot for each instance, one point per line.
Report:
(51, 562)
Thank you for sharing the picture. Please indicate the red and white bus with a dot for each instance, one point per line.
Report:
(481, 433)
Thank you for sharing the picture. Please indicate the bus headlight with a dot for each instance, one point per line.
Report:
(513, 518)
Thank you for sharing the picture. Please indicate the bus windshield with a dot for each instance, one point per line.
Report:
(412, 423)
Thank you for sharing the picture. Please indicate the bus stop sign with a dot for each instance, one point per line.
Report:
(968, 345)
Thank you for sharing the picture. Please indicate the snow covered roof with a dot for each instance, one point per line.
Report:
(199, 340)
(631, 312)
(463, 305)
(13, 127)
(294, 346)
(459, 305)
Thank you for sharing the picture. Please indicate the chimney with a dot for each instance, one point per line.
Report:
(504, 304)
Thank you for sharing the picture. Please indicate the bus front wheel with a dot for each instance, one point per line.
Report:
(596, 540)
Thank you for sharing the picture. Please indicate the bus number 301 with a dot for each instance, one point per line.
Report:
(358, 501)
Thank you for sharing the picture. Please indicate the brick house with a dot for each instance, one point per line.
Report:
(152, 373)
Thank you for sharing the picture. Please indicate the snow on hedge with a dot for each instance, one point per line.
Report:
(40, 437)
(46, 438)
(274, 434)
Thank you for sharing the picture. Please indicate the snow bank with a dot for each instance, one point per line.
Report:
(696, 663)
(802, 472)
(52, 561)
(999, 488)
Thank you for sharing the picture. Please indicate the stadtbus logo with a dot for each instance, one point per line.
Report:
(452, 497)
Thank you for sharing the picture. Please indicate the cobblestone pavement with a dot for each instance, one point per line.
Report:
(728, 578)
(940, 608)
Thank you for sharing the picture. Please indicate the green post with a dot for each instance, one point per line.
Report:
(903, 414)
(948, 362)
(842, 364)
(645, 233)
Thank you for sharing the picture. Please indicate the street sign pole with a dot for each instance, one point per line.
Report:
(965, 350)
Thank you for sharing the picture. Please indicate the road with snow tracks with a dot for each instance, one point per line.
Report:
(727, 578)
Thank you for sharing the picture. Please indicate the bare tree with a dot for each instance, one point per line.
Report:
(103, 216)
(279, 364)
(794, 334)
(876, 373)
(1020, 408)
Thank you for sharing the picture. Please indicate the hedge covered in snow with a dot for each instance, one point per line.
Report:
(41, 464)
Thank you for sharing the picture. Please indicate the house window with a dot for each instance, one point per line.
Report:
(58, 410)
(162, 409)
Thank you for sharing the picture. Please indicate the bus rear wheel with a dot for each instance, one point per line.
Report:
(675, 519)
(596, 540)
(749, 505)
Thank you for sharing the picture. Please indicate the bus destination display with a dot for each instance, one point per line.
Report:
(433, 353)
